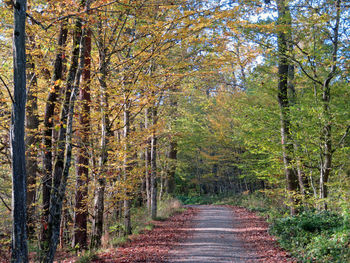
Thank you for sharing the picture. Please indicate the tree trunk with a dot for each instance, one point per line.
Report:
(170, 184)
(63, 157)
(48, 129)
(19, 180)
(153, 174)
(32, 125)
(148, 162)
(97, 223)
(172, 156)
(326, 138)
(287, 143)
(81, 207)
(127, 164)
(303, 182)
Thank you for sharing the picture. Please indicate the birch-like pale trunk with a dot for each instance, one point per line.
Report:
(97, 222)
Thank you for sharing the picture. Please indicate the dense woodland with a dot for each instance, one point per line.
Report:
(130, 102)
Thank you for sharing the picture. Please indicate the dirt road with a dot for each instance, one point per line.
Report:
(212, 239)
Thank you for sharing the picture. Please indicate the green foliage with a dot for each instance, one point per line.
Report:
(117, 241)
(200, 199)
(87, 257)
(149, 227)
(168, 207)
(314, 236)
(117, 227)
(329, 248)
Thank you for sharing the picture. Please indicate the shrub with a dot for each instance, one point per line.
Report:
(314, 236)
(87, 257)
(333, 248)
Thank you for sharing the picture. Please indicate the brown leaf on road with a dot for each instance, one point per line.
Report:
(152, 245)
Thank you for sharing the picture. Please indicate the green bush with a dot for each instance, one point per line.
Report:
(198, 199)
(87, 257)
(334, 248)
(314, 236)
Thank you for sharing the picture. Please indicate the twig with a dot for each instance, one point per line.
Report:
(68, 16)
(9, 208)
(342, 138)
(36, 21)
(8, 90)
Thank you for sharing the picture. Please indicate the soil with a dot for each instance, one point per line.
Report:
(214, 239)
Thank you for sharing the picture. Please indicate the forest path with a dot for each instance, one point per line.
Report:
(213, 239)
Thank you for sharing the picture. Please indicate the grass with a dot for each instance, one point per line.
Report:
(87, 256)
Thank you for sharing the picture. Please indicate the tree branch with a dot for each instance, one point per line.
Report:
(346, 133)
(3, 201)
(7, 88)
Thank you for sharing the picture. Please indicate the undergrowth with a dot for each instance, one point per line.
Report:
(314, 236)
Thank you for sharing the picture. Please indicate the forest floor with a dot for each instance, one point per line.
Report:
(202, 234)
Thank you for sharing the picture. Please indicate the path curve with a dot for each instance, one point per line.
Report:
(212, 239)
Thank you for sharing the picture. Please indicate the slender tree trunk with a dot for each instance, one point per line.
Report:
(143, 197)
(170, 184)
(287, 143)
(81, 206)
(63, 158)
(62, 226)
(303, 182)
(326, 139)
(48, 129)
(127, 164)
(148, 162)
(97, 223)
(19, 180)
(153, 174)
(32, 125)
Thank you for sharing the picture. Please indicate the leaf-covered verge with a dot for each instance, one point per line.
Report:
(254, 233)
(151, 245)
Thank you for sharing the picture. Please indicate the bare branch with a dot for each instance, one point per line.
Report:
(3, 201)
(346, 133)
(7, 88)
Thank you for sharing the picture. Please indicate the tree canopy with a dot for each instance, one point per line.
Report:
(133, 101)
